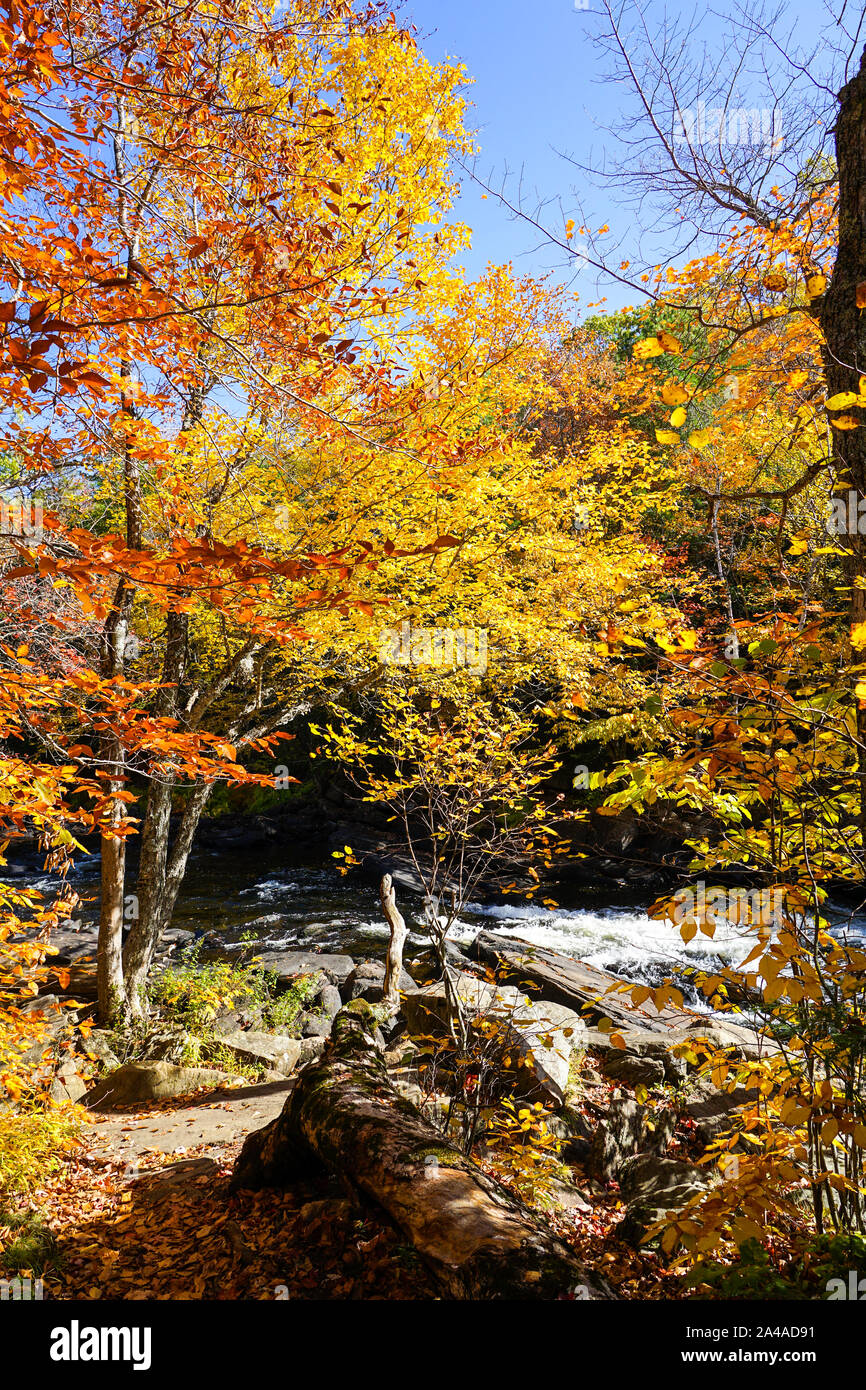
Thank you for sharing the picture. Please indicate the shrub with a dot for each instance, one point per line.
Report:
(33, 1142)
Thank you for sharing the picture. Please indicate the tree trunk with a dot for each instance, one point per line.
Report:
(113, 1002)
(843, 325)
(146, 934)
(479, 1240)
(111, 989)
(399, 932)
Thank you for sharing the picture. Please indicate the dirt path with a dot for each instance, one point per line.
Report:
(208, 1123)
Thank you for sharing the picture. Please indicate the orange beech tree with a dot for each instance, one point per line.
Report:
(209, 210)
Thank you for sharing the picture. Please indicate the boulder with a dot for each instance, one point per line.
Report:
(640, 1042)
(567, 1197)
(651, 1186)
(79, 981)
(545, 1035)
(329, 1001)
(287, 965)
(97, 1047)
(316, 1026)
(714, 1111)
(720, 1033)
(542, 1035)
(426, 1009)
(67, 1084)
(425, 967)
(632, 1070)
(139, 1082)
(627, 1129)
(367, 981)
(573, 983)
(275, 1050)
(170, 1044)
(311, 1050)
(618, 1137)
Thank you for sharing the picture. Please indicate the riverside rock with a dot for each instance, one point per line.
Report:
(145, 1081)
(543, 1035)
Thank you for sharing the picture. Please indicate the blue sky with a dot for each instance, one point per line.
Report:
(537, 90)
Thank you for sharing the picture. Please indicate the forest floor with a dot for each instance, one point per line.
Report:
(143, 1210)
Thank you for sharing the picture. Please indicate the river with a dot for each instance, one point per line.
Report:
(288, 903)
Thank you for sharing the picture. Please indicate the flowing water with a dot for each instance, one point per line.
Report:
(301, 905)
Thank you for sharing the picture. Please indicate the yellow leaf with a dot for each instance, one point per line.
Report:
(669, 343)
(815, 285)
(647, 347)
(845, 422)
(674, 394)
(842, 399)
(679, 416)
(667, 437)
(699, 439)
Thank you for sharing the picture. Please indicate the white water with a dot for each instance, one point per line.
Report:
(622, 939)
(286, 907)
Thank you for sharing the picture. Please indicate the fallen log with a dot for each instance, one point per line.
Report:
(479, 1240)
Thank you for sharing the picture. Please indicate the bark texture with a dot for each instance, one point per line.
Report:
(479, 1240)
(844, 329)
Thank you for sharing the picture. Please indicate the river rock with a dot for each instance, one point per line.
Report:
(287, 965)
(714, 1111)
(367, 981)
(652, 1185)
(139, 1082)
(275, 1050)
(543, 1035)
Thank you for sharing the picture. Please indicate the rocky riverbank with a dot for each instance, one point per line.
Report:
(620, 1086)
